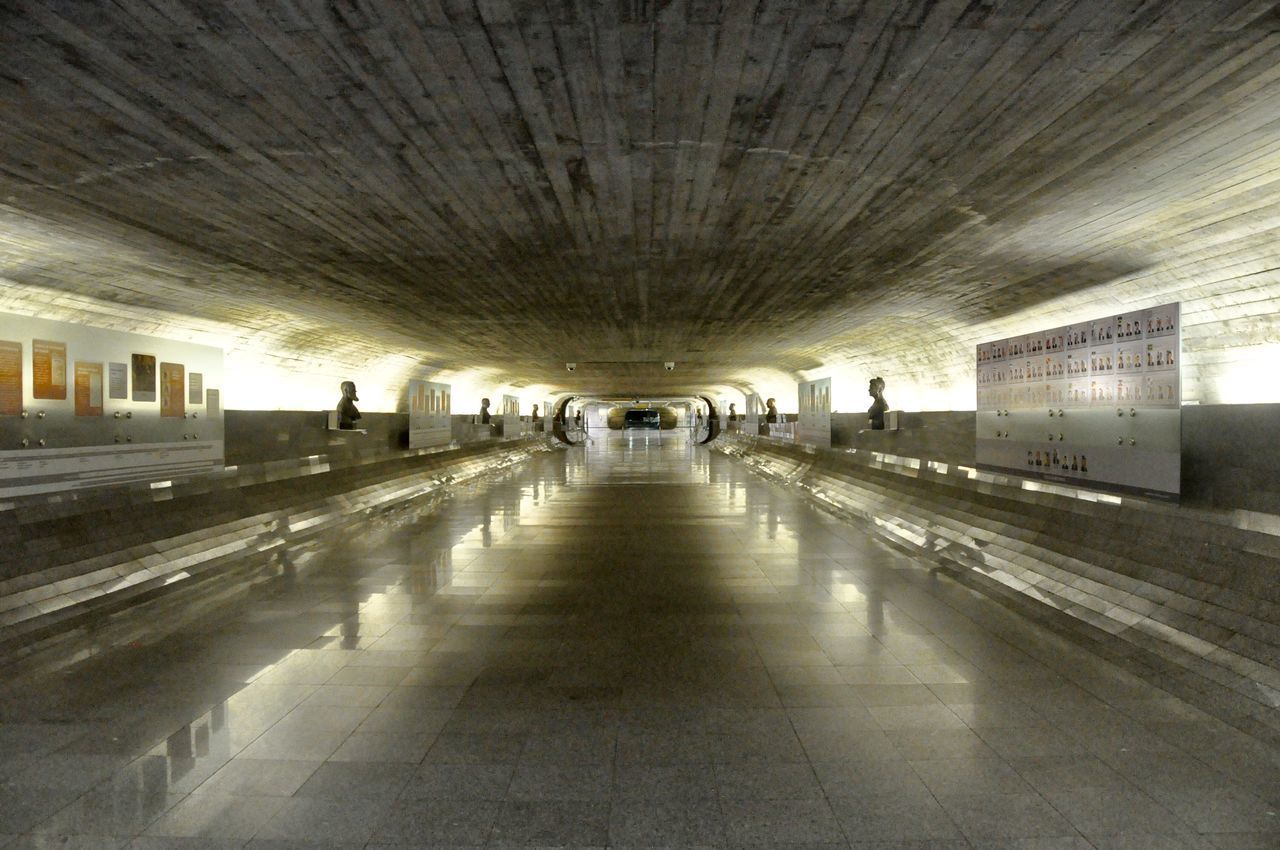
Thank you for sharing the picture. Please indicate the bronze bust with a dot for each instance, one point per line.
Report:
(347, 412)
(876, 412)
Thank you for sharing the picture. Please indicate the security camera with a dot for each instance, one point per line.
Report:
(571, 366)
(670, 366)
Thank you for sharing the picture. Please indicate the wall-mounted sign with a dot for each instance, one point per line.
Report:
(88, 389)
(1095, 402)
(755, 409)
(117, 380)
(144, 377)
(814, 422)
(172, 401)
(511, 424)
(48, 369)
(10, 378)
(429, 414)
(195, 388)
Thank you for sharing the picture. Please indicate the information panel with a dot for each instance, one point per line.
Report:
(48, 369)
(511, 424)
(118, 380)
(88, 389)
(82, 426)
(814, 425)
(144, 377)
(755, 409)
(10, 378)
(1096, 402)
(172, 386)
(429, 414)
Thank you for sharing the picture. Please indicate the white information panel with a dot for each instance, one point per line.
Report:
(85, 407)
(429, 407)
(511, 424)
(814, 425)
(1096, 402)
(755, 409)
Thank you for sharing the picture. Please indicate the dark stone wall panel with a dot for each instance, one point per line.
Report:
(261, 436)
(946, 436)
(1229, 456)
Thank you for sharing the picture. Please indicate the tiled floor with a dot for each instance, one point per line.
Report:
(633, 645)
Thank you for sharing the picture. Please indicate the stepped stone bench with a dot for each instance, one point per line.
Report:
(1187, 598)
(88, 570)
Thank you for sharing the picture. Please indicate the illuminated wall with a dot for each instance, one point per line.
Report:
(1231, 348)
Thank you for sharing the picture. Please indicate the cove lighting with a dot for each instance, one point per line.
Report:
(1251, 378)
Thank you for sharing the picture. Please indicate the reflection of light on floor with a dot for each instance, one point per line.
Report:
(847, 593)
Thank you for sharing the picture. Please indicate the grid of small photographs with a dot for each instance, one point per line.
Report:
(1128, 358)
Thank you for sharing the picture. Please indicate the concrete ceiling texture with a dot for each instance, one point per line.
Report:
(755, 190)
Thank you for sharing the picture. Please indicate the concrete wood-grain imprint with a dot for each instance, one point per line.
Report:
(729, 185)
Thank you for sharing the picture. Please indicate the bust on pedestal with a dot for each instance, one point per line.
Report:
(347, 412)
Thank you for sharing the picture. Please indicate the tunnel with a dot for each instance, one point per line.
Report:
(757, 424)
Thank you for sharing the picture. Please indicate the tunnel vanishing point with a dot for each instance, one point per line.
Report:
(781, 423)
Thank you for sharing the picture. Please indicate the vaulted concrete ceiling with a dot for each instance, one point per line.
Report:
(731, 185)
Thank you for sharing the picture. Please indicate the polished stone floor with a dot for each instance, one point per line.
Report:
(635, 644)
